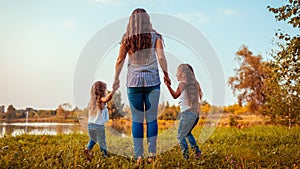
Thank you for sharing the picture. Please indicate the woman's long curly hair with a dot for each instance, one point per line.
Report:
(191, 85)
(138, 33)
(98, 90)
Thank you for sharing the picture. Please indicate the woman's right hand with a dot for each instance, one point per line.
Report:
(167, 80)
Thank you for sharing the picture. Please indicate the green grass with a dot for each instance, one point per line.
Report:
(255, 147)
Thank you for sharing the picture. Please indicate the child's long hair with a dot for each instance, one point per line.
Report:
(98, 90)
(138, 33)
(191, 86)
(200, 90)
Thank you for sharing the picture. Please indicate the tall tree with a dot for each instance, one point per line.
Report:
(285, 102)
(61, 112)
(249, 80)
(11, 112)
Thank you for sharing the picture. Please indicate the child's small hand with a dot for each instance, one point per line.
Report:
(167, 82)
(113, 91)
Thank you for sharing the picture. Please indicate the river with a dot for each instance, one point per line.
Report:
(39, 128)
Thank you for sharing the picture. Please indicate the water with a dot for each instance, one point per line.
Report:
(38, 128)
(122, 128)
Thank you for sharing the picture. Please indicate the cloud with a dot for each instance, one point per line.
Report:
(230, 12)
(68, 24)
(107, 1)
(194, 18)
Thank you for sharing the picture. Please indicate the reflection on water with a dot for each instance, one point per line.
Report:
(121, 127)
(15, 129)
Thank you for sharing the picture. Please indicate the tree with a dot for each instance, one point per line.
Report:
(170, 113)
(215, 110)
(236, 109)
(249, 80)
(115, 106)
(204, 107)
(289, 11)
(127, 112)
(167, 105)
(11, 112)
(65, 111)
(2, 108)
(60, 113)
(284, 92)
(161, 107)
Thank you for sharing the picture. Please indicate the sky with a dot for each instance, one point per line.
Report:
(42, 41)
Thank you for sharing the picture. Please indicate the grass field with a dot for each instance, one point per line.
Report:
(254, 147)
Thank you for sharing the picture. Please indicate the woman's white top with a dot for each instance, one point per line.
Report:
(143, 67)
(100, 118)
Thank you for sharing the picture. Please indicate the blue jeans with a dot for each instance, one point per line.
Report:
(144, 104)
(188, 120)
(97, 134)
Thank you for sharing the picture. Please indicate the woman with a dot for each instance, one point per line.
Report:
(144, 47)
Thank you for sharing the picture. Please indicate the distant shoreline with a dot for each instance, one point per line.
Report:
(226, 120)
(23, 120)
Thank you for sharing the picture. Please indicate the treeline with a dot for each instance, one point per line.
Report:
(62, 112)
(116, 110)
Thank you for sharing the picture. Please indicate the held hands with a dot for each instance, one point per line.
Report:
(113, 91)
(167, 81)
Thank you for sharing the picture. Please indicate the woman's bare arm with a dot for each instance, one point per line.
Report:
(119, 65)
(162, 59)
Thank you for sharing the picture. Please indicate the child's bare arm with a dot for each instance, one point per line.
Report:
(177, 93)
(107, 97)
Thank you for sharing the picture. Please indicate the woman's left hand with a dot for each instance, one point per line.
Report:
(116, 84)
